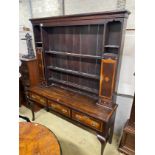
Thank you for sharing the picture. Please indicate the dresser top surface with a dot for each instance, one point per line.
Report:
(75, 101)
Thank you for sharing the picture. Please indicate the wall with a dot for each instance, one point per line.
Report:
(24, 13)
(85, 6)
(126, 84)
(38, 8)
(33, 9)
(127, 80)
(45, 8)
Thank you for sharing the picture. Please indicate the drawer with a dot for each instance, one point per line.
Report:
(88, 121)
(38, 99)
(59, 108)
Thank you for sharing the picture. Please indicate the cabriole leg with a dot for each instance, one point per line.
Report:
(111, 133)
(112, 129)
(103, 143)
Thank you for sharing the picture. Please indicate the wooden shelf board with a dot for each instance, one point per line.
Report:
(74, 54)
(39, 47)
(111, 46)
(39, 42)
(79, 91)
(74, 72)
(75, 85)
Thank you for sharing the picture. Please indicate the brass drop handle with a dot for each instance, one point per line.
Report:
(94, 124)
(41, 100)
(54, 106)
(64, 110)
(78, 117)
(33, 96)
(85, 117)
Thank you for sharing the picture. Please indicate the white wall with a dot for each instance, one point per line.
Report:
(85, 6)
(123, 113)
(130, 5)
(46, 8)
(33, 9)
(126, 83)
(24, 13)
(127, 80)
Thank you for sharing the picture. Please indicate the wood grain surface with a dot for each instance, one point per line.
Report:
(35, 139)
(74, 101)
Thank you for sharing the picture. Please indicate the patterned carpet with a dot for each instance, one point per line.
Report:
(73, 139)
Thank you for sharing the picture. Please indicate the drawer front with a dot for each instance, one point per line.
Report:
(88, 121)
(130, 141)
(59, 108)
(38, 99)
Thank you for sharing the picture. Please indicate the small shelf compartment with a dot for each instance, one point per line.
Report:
(113, 34)
(111, 51)
(37, 33)
(96, 77)
(111, 46)
(91, 90)
(39, 42)
(74, 54)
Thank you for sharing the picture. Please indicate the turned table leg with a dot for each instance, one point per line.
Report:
(103, 143)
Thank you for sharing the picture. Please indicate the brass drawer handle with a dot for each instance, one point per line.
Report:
(33, 96)
(78, 117)
(53, 105)
(94, 124)
(42, 100)
(64, 110)
(86, 117)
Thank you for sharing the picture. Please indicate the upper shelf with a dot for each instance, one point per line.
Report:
(104, 55)
(74, 54)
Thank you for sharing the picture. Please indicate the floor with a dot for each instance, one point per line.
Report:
(73, 139)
